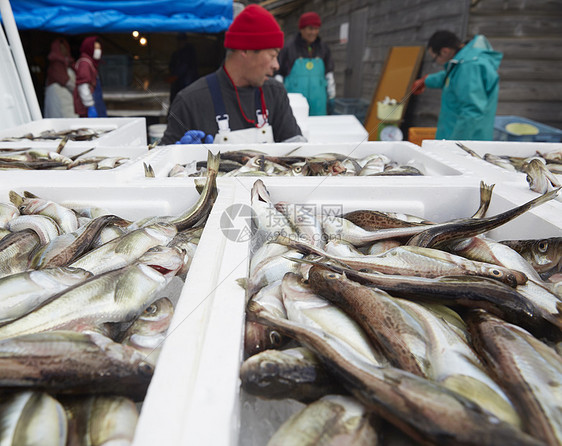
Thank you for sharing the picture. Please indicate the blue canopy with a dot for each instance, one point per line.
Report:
(96, 16)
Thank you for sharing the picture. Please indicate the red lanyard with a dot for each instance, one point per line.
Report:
(262, 98)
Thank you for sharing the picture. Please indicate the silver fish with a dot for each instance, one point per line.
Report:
(539, 177)
(32, 418)
(7, 212)
(545, 255)
(45, 227)
(15, 250)
(331, 420)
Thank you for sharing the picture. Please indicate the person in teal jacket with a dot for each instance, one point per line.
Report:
(470, 84)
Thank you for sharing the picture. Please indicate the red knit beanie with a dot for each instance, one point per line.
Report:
(309, 19)
(254, 29)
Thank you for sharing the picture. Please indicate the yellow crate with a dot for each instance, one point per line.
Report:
(417, 134)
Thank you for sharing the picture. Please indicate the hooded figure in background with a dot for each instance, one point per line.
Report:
(61, 80)
(470, 84)
(88, 96)
(306, 66)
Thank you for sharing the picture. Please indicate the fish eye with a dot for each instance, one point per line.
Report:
(151, 309)
(298, 169)
(496, 272)
(543, 246)
(332, 276)
(146, 369)
(258, 161)
(275, 338)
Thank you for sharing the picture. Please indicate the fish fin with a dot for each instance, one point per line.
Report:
(17, 200)
(148, 170)
(28, 194)
(243, 282)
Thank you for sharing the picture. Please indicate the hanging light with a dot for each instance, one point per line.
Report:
(135, 34)
(143, 41)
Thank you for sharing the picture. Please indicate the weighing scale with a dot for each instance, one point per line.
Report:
(390, 116)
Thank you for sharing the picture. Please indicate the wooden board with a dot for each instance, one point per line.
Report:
(398, 74)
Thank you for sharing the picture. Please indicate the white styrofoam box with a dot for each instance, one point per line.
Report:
(336, 128)
(120, 132)
(449, 152)
(129, 170)
(402, 152)
(211, 398)
(176, 371)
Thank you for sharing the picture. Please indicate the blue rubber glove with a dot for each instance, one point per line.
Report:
(195, 137)
(92, 112)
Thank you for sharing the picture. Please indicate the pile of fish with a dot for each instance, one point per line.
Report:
(256, 163)
(392, 329)
(543, 169)
(43, 159)
(86, 303)
(80, 134)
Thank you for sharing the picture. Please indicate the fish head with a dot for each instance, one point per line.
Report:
(164, 259)
(259, 337)
(260, 193)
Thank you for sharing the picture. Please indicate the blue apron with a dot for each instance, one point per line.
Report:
(98, 100)
(308, 77)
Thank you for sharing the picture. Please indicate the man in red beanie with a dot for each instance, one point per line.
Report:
(306, 66)
(240, 102)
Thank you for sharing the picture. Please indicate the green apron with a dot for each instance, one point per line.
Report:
(307, 77)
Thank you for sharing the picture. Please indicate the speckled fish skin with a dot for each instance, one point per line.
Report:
(292, 373)
(23, 292)
(68, 362)
(117, 296)
(101, 420)
(32, 419)
(530, 370)
(443, 233)
(15, 250)
(423, 409)
(372, 220)
(331, 420)
(415, 261)
(388, 325)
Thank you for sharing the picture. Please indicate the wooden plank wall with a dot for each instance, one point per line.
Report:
(529, 33)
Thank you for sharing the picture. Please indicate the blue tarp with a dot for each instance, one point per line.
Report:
(96, 16)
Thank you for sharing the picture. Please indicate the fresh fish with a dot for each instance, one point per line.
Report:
(149, 171)
(545, 255)
(454, 363)
(552, 155)
(32, 419)
(388, 325)
(25, 291)
(187, 242)
(15, 250)
(32, 205)
(271, 270)
(67, 362)
(101, 420)
(330, 421)
(148, 332)
(382, 246)
(305, 220)
(322, 167)
(45, 227)
(7, 212)
(341, 249)
(117, 296)
(65, 248)
(423, 409)
(499, 161)
(305, 307)
(373, 166)
(125, 250)
(467, 227)
(468, 150)
(485, 198)
(530, 371)
(399, 170)
(463, 291)
(415, 261)
(292, 373)
(539, 177)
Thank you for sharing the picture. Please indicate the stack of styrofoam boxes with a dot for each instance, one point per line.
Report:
(300, 108)
(124, 137)
(449, 152)
(198, 393)
(336, 128)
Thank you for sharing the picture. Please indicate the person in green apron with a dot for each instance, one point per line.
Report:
(306, 66)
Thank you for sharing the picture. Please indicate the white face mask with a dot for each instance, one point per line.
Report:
(97, 54)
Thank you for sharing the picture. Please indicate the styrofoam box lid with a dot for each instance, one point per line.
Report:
(400, 151)
(336, 128)
(210, 400)
(120, 131)
(129, 170)
(449, 152)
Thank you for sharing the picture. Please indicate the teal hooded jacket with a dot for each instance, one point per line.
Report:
(470, 84)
